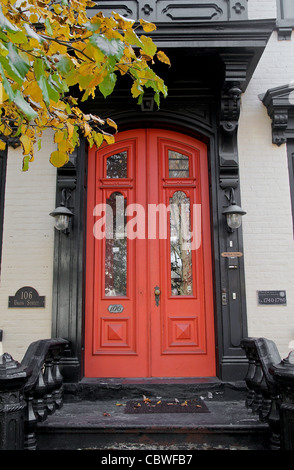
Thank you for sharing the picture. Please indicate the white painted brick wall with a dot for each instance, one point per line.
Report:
(268, 232)
(27, 254)
(261, 9)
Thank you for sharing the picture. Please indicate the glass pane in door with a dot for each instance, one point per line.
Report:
(180, 245)
(116, 165)
(116, 247)
(178, 165)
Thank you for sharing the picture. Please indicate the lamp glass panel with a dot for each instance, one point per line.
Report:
(61, 222)
(234, 220)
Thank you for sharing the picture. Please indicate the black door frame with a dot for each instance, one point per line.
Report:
(211, 116)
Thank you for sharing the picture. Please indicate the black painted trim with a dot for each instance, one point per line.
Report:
(222, 64)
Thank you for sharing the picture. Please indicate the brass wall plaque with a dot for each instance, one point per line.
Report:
(231, 254)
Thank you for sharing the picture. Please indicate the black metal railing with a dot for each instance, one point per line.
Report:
(29, 392)
(270, 383)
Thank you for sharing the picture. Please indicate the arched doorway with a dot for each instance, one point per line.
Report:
(149, 287)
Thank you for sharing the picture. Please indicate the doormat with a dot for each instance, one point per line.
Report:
(179, 406)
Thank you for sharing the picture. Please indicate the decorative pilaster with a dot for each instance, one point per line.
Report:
(68, 267)
(233, 363)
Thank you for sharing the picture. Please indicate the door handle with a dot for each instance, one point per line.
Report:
(157, 294)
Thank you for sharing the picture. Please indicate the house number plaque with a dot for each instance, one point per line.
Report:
(272, 297)
(115, 308)
(26, 297)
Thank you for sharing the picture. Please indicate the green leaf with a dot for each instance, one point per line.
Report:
(3, 50)
(64, 64)
(93, 25)
(22, 66)
(7, 87)
(84, 81)
(32, 34)
(52, 92)
(110, 47)
(18, 37)
(60, 85)
(24, 106)
(38, 68)
(10, 70)
(148, 46)
(42, 82)
(106, 87)
(48, 27)
(25, 163)
(132, 38)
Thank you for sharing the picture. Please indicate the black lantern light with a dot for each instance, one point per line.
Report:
(233, 212)
(62, 214)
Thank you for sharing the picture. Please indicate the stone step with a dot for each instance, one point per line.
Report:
(101, 424)
(106, 389)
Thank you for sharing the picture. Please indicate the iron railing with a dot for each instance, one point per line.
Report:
(29, 392)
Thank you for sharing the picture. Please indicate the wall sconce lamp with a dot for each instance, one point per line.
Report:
(62, 214)
(233, 212)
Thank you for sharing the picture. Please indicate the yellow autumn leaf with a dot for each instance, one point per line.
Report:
(94, 53)
(123, 22)
(109, 138)
(163, 57)
(65, 146)
(3, 95)
(111, 123)
(86, 69)
(34, 91)
(56, 48)
(98, 138)
(34, 18)
(59, 136)
(149, 48)
(87, 130)
(34, 43)
(148, 27)
(70, 129)
(57, 9)
(136, 90)
(58, 158)
(2, 145)
(26, 144)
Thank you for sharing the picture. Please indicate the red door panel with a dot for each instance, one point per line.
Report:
(148, 233)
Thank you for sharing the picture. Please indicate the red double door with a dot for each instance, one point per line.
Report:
(149, 293)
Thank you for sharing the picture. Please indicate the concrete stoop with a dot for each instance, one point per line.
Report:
(93, 417)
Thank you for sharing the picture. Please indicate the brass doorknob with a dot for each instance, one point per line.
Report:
(157, 294)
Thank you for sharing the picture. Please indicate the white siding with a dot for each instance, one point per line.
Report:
(268, 231)
(27, 254)
(262, 9)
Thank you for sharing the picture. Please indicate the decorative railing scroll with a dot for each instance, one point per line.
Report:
(30, 391)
